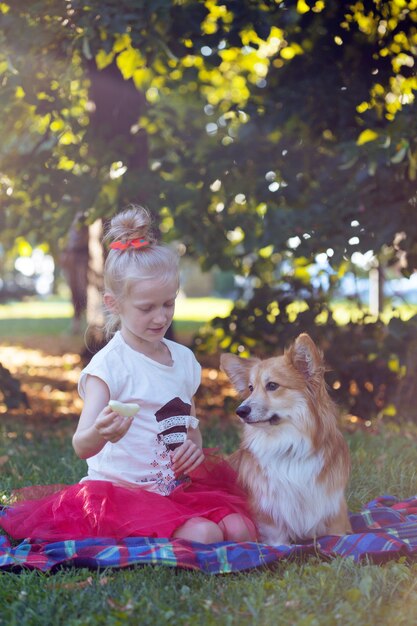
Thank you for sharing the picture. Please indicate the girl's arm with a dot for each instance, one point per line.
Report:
(189, 455)
(194, 435)
(98, 424)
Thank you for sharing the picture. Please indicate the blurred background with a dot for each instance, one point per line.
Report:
(275, 144)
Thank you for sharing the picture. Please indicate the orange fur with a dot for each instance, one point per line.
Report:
(292, 461)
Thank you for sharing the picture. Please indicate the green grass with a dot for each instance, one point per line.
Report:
(192, 309)
(35, 317)
(312, 592)
(52, 316)
(309, 593)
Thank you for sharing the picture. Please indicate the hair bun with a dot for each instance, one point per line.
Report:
(132, 223)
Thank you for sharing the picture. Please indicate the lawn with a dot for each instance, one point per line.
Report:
(35, 448)
(53, 316)
(313, 592)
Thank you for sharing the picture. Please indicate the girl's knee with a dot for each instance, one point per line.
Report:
(237, 527)
(201, 530)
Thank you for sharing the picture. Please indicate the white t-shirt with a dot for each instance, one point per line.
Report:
(164, 392)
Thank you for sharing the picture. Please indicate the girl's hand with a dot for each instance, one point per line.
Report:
(111, 426)
(186, 458)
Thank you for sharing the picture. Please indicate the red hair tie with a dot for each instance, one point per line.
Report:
(131, 243)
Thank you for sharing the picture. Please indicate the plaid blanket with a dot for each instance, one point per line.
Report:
(385, 529)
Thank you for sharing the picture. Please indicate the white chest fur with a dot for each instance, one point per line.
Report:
(289, 492)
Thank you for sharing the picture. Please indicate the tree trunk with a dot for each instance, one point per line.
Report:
(95, 311)
(74, 263)
(376, 290)
(405, 400)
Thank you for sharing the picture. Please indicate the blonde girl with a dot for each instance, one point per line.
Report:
(148, 474)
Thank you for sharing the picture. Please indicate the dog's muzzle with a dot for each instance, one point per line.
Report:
(244, 412)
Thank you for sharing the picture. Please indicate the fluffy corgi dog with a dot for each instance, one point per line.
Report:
(293, 461)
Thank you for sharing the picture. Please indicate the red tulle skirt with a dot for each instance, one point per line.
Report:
(96, 508)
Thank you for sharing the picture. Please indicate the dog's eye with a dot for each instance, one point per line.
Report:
(271, 386)
(250, 387)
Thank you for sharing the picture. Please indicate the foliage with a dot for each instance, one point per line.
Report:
(108, 105)
(262, 133)
(368, 360)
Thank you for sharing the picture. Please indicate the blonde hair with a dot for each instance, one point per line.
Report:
(123, 267)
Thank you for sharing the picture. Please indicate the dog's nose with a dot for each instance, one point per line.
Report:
(243, 410)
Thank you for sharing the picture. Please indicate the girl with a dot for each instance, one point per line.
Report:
(147, 473)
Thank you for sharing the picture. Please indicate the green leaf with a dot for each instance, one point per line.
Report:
(128, 62)
(366, 136)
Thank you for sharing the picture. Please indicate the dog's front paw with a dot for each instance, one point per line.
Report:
(277, 541)
(274, 537)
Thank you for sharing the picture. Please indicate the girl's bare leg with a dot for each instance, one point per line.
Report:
(238, 528)
(199, 529)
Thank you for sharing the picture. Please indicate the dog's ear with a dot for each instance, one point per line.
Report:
(307, 358)
(237, 370)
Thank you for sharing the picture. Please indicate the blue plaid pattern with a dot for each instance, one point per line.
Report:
(386, 528)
